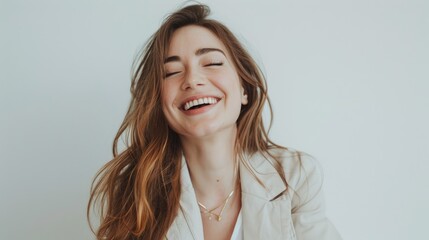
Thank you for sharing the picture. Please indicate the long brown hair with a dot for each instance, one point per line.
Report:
(138, 191)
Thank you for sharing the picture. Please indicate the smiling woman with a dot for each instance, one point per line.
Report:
(199, 163)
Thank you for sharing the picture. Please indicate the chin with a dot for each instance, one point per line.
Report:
(200, 133)
(206, 131)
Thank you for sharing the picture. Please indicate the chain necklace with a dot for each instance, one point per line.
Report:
(210, 213)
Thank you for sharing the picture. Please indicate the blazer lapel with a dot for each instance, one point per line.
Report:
(263, 210)
(188, 223)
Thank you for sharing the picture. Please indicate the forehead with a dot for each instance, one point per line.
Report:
(190, 38)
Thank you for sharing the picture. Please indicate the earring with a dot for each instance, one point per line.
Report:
(244, 100)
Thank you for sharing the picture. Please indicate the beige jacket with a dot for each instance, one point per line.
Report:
(271, 212)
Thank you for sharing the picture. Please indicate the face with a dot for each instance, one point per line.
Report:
(201, 93)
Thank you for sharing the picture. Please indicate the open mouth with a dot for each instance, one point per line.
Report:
(199, 103)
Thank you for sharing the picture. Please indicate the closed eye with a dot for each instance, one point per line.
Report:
(171, 74)
(214, 64)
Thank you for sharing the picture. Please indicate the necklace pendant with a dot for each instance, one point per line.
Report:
(211, 213)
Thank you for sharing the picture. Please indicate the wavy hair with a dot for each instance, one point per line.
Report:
(137, 192)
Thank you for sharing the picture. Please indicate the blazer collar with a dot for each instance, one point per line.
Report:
(263, 170)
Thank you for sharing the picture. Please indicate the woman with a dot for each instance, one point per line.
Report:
(199, 163)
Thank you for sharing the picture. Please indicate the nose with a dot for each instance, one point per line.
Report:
(192, 80)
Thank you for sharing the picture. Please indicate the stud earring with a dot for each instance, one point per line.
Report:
(244, 100)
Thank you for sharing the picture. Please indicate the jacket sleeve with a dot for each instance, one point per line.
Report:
(308, 206)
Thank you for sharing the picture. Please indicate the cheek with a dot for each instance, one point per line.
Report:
(167, 94)
(227, 79)
(168, 104)
(166, 107)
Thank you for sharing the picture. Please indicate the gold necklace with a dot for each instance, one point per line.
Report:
(211, 213)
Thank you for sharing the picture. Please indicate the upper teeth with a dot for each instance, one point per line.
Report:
(205, 100)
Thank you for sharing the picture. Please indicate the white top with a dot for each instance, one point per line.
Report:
(237, 234)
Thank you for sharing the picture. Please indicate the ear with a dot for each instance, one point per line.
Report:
(244, 99)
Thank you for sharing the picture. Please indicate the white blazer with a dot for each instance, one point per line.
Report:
(273, 212)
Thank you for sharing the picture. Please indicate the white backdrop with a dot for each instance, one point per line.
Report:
(348, 81)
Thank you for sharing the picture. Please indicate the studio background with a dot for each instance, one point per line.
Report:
(348, 81)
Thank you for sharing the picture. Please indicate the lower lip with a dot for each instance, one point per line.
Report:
(199, 110)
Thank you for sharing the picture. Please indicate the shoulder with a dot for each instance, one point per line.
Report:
(302, 171)
(295, 162)
(296, 165)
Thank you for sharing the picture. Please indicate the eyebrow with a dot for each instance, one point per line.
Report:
(199, 52)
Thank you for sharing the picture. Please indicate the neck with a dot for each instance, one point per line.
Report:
(212, 165)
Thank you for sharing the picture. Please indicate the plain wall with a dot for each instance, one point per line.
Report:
(348, 81)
